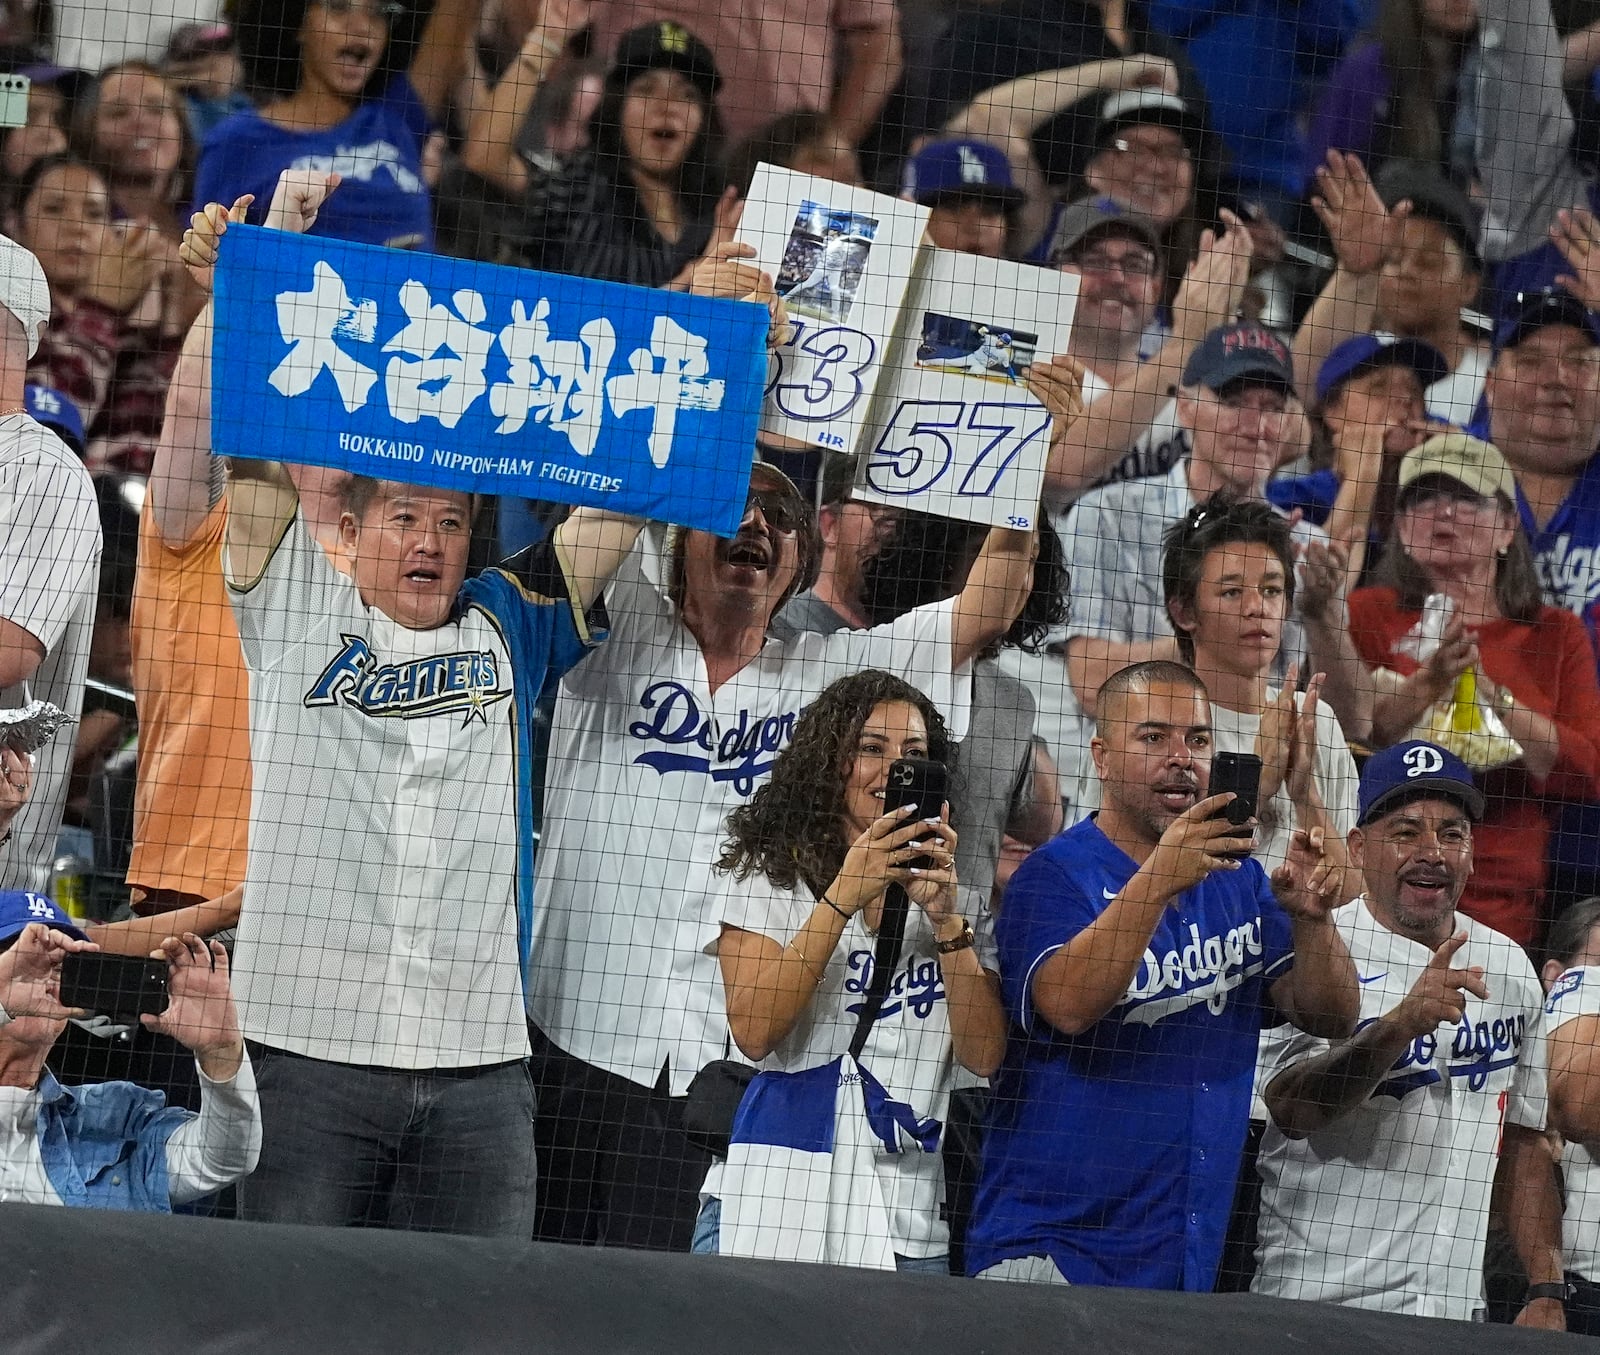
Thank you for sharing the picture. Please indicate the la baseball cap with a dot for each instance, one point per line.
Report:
(664, 46)
(1465, 459)
(1534, 311)
(1368, 352)
(1240, 352)
(1411, 771)
(57, 413)
(18, 909)
(1090, 218)
(961, 167)
(23, 289)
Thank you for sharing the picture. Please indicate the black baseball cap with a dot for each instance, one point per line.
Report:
(664, 46)
(1240, 352)
(1435, 198)
(1533, 311)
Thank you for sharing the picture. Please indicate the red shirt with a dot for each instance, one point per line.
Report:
(1548, 666)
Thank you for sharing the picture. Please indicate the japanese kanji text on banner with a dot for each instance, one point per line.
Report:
(497, 380)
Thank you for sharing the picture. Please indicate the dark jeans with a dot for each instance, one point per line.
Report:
(618, 1170)
(443, 1151)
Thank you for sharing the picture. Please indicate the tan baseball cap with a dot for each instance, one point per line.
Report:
(1471, 461)
(23, 289)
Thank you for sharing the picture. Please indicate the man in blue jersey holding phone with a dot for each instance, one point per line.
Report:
(1139, 960)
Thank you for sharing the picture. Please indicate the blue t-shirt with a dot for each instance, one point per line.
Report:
(377, 150)
(1114, 1152)
(1566, 550)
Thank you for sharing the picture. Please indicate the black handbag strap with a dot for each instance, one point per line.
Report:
(885, 959)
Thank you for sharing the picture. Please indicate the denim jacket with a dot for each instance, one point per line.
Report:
(105, 1146)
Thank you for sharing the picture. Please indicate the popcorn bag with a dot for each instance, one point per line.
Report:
(1460, 722)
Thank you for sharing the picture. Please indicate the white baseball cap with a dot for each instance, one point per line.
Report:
(23, 289)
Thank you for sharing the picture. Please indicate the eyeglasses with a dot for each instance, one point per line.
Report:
(386, 12)
(783, 512)
(1136, 263)
(1253, 399)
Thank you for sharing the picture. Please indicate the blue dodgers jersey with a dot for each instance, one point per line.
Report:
(1114, 1152)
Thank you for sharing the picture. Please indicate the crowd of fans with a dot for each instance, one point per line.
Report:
(1323, 486)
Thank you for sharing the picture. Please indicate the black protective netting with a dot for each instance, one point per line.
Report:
(683, 590)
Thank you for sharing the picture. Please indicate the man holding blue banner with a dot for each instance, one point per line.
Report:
(387, 906)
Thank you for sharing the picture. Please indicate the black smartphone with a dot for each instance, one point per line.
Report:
(114, 985)
(917, 781)
(1240, 773)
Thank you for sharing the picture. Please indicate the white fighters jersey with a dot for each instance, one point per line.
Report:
(645, 764)
(390, 820)
(1388, 1207)
(1576, 994)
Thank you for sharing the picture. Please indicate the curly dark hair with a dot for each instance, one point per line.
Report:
(792, 829)
(926, 560)
(268, 34)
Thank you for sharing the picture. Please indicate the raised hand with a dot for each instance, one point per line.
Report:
(1147, 72)
(933, 888)
(1303, 751)
(558, 23)
(16, 784)
(198, 251)
(200, 1012)
(1576, 234)
(298, 198)
(1275, 735)
(1439, 996)
(1215, 281)
(30, 972)
(1195, 845)
(1057, 383)
(128, 262)
(880, 856)
(1362, 229)
(1309, 884)
(1324, 573)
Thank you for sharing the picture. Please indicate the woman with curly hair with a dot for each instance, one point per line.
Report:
(352, 87)
(808, 863)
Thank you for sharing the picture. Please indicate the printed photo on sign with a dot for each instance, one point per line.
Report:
(988, 350)
(824, 260)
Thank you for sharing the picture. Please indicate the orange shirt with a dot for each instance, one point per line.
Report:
(192, 803)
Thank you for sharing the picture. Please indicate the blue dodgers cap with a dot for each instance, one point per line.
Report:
(1410, 771)
(18, 909)
(1237, 353)
(961, 167)
(54, 410)
(1368, 352)
(1533, 311)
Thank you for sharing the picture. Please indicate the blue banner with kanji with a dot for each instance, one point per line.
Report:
(445, 372)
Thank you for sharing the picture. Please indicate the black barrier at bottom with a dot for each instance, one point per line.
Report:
(77, 1280)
